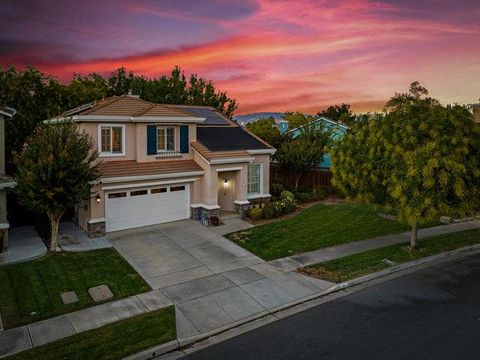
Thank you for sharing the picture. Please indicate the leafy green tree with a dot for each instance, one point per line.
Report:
(266, 130)
(297, 119)
(55, 170)
(304, 152)
(420, 159)
(340, 113)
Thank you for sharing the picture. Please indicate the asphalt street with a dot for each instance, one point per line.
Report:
(433, 313)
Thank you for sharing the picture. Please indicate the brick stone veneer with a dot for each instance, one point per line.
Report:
(96, 229)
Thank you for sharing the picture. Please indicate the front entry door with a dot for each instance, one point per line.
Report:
(226, 190)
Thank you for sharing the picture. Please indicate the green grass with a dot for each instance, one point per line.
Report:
(357, 265)
(30, 291)
(113, 341)
(317, 227)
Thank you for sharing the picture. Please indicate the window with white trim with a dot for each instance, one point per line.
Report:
(111, 139)
(253, 179)
(165, 138)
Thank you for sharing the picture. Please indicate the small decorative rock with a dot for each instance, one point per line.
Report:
(445, 219)
(100, 293)
(69, 297)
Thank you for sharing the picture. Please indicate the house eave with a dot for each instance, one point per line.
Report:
(132, 119)
(119, 179)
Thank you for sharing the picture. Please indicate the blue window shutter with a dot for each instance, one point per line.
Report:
(184, 139)
(151, 140)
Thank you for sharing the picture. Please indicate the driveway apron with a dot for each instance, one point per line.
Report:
(211, 281)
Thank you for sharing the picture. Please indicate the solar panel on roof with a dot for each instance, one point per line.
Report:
(211, 116)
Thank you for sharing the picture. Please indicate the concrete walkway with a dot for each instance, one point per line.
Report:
(72, 238)
(24, 244)
(294, 262)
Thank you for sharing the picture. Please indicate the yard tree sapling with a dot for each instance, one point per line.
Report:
(55, 170)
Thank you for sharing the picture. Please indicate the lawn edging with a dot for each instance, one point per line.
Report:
(269, 316)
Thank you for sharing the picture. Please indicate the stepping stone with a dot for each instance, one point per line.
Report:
(100, 293)
(69, 297)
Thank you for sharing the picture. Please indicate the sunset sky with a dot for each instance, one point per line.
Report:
(270, 55)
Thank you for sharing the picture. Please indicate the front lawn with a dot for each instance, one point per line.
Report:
(357, 265)
(317, 227)
(113, 341)
(30, 291)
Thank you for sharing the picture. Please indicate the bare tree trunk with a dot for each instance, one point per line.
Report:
(297, 179)
(54, 220)
(413, 238)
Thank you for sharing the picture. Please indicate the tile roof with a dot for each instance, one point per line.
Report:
(229, 139)
(124, 168)
(209, 155)
(128, 106)
(211, 115)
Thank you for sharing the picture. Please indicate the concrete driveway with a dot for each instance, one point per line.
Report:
(211, 281)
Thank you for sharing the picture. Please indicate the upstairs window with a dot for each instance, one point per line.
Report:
(112, 139)
(165, 138)
(254, 179)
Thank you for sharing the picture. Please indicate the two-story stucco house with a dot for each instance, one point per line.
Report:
(163, 163)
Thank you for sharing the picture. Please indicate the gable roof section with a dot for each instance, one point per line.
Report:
(229, 139)
(211, 115)
(126, 108)
(209, 155)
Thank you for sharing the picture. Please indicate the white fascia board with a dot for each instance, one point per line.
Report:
(148, 184)
(118, 179)
(205, 206)
(231, 160)
(262, 151)
(230, 169)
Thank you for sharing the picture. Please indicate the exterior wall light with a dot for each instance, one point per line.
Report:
(225, 184)
(98, 199)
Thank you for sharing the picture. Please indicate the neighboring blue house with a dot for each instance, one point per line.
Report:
(338, 131)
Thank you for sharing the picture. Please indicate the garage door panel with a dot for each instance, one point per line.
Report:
(143, 210)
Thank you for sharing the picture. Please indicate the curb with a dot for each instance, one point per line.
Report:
(269, 316)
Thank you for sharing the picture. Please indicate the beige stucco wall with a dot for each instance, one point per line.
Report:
(136, 141)
(206, 190)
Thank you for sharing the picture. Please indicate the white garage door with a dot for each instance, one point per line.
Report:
(130, 208)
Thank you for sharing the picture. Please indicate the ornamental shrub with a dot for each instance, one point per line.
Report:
(286, 195)
(303, 197)
(268, 212)
(290, 205)
(278, 208)
(319, 193)
(276, 189)
(256, 214)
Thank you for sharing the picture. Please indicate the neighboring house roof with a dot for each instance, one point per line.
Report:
(210, 155)
(7, 111)
(211, 115)
(338, 132)
(129, 108)
(131, 168)
(229, 139)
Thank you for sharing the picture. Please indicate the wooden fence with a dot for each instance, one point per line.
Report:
(311, 178)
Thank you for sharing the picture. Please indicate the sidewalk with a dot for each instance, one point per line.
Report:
(24, 244)
(294, 262)
(214, 302)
